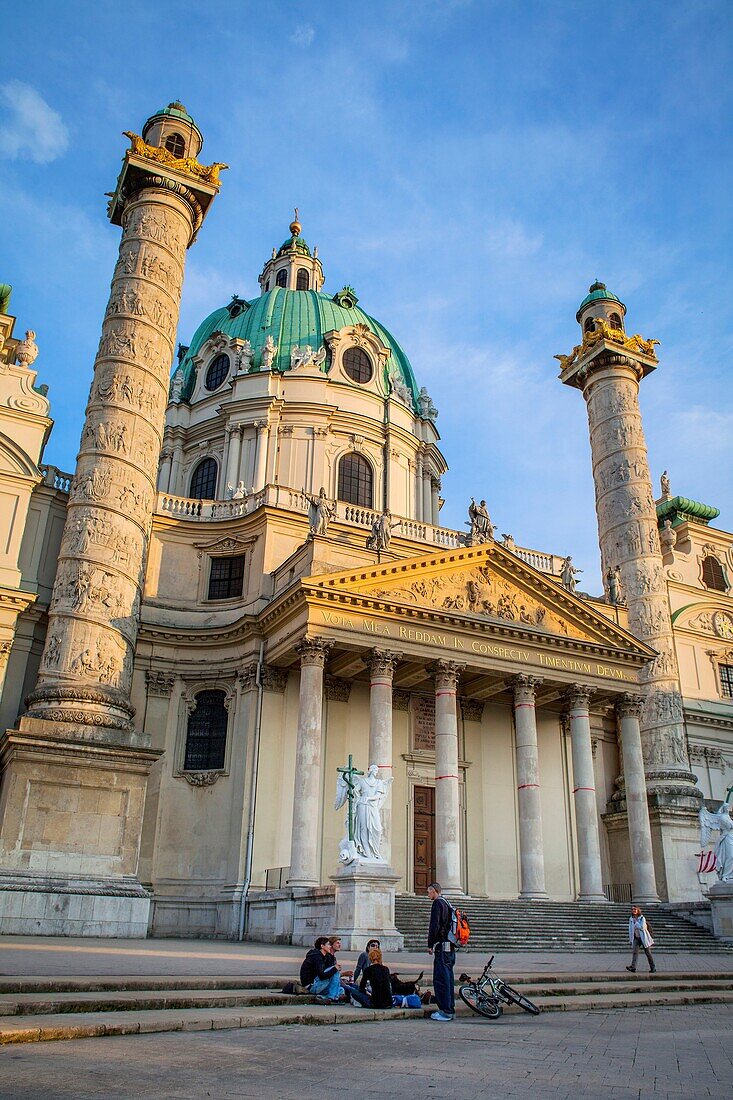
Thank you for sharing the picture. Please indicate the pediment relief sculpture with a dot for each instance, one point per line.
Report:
(479, 591)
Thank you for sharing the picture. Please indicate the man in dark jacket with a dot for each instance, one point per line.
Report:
(444, 954)
(319, 972)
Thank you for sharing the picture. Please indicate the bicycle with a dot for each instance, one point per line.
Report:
(488, 994)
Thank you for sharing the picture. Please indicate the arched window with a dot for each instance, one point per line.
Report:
(206, 736)
(726, 680)
(217, 372)
(302, 281)
(355, 481)
(175, 144)
(588, 324)
(615, 320)
(713, 575)
(267, 286)
(203, 482)
(281, 279)
(357, 365)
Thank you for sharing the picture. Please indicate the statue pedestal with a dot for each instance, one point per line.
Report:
(721, 903)
(365, 895)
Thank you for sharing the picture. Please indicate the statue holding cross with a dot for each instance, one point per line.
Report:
(365, 795)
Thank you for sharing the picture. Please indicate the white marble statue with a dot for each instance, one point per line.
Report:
(324, 512)
(482, 529)
(240, 492)
(229, 491)
(722, 822)
(305, 356)
(382, 532)
(425, 404)
(367, 794)
(568, 573)
(268, 351)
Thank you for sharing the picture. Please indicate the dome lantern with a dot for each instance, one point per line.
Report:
(600, 302)
(172, 128)
(292, 266)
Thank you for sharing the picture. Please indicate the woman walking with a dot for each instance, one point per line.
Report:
(641, 939)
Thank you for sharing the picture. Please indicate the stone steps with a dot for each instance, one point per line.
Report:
(38, 1009)
(554, 926)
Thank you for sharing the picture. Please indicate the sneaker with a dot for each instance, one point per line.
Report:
(443, 1017)
(632, 969)
(653, 970)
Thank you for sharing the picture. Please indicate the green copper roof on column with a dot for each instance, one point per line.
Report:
(174, 110)
(680, 509)
(291, 317)
(598, 292)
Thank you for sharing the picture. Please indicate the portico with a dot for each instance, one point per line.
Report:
(447, 698)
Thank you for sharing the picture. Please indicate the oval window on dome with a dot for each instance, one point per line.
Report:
(358, 365)
(175, 144)
(217, 372)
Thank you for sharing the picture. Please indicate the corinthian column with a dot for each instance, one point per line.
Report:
(382, 664)
(531, 852)
(447, 792)
(93, 617)
(584, 795)
(644, 883)
(304, 863)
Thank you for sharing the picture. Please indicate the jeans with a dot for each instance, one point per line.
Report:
(363, 998)
(444, 959)
(327, 987)
(639, 946)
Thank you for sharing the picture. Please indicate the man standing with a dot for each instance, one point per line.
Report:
(443, 950)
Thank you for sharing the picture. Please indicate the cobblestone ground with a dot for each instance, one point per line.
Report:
(654, 1052)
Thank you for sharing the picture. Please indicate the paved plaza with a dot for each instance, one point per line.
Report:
(660, 1052)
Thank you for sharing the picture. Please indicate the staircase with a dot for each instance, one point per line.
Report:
(554, 926)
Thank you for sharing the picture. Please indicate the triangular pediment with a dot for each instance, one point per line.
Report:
(486, 584)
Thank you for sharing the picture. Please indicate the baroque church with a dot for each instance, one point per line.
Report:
(245, 585)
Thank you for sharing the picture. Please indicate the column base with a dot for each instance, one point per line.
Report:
(599, 899)
(534, 895)
(35, 905)
(365, 894)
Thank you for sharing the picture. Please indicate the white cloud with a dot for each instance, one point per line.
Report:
(303, 35)
(510, 240)
(30, 129)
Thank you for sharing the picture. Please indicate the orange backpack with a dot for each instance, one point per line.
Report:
(460, 929)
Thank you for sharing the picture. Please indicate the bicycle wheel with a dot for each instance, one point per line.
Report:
(480, 1002)
(516, 998)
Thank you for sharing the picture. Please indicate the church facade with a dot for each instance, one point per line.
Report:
(246, 582)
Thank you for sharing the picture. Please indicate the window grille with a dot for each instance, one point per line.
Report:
(206, 735)
(217, 372)
(355, 480)
(203, 482)
(281, 279)
(226, 578)
(175, 144)
(726, 680)
(357, 365)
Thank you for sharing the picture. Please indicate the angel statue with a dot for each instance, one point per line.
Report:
(366, 795)
(722, 822)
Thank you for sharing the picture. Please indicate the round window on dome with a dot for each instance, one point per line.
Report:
(217, 372)
(358, 365)
(175, 144)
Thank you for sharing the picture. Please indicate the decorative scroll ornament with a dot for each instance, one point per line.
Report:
(604, 331)
(209, 173)
(201, 779)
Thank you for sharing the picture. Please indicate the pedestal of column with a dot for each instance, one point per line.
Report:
(584, 796)
(304, 858)
(382, 664)
(447, 784)
(531, 849)
(365, 896)
(644, 885)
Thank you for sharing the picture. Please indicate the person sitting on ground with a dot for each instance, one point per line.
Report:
(334, 945)
(363, 961)
(319, 973)
(376, 975)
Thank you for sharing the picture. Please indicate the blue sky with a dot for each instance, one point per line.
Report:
(469, 167)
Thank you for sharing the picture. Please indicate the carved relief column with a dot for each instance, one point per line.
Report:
(531, 847)
(644, 884)
(447, 789)
(261, 455)
(93, 617)
(584, 795)
(382, 664)
(304, 861)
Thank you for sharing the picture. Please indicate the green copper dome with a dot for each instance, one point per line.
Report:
(597, 292)
(173, 110)
(294, 242)
(290, 317)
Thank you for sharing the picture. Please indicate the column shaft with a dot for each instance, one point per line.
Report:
(435, 486)
(644, 884)
(584, 795)
(261, 457)
(531, 853)
(447, 791)
(304, 861)
(233, 458)
(427, 498)
(382, 665)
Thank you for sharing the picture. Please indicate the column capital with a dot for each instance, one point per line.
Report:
(382, 662)
(446, 672)
(524, 686)
(578, 697)
(629, 705)
(261, 425)
(313, 651)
